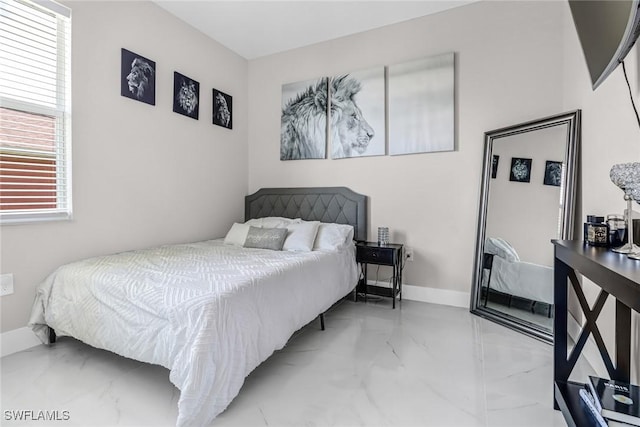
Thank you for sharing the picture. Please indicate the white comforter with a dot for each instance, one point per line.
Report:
(209, 312)
(522, 279)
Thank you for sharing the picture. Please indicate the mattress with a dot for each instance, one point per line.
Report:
(209, 312)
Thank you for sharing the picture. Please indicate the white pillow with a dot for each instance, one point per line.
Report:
(237, 234)
(301, 235)
(256, 222)
(332, 237)
(502, 248)
(271, 222)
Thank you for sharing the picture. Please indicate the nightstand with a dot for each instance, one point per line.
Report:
(389, 254)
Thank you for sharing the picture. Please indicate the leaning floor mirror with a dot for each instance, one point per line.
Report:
(527, 199)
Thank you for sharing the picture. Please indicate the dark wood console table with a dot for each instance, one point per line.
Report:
(617, 276)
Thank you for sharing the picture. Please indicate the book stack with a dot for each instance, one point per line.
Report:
(612, 403)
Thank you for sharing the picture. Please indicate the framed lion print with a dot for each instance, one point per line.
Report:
(137, 77)
(186, 95)
(421, 105)
(303, 123)
(222, 109)
(520, 169)
(494, 165)
(356, 116)
(552, 173)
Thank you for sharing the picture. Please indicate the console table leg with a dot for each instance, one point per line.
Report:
(561, 370)
(623, 342)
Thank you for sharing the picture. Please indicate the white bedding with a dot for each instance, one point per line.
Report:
(522, 279)
(209, 312)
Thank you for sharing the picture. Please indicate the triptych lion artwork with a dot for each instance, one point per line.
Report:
(412, 102)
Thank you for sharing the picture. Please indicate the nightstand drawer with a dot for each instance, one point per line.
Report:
(375, 255)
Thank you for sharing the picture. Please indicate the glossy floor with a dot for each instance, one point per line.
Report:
(418, 365)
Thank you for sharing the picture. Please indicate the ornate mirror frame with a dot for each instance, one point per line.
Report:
(571, 120)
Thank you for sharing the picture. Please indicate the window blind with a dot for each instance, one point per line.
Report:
(35, 111)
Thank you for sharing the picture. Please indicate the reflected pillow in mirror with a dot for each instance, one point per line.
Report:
(501, 248)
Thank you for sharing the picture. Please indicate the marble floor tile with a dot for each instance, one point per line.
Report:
(418, 365)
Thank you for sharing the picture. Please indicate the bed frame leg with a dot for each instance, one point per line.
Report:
(52, 336)
(322, 321)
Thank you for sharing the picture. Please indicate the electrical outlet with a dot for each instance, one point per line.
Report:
(408, 253)
(6, 284)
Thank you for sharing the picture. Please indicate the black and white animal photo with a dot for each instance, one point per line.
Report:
(186, 95)
(356, 115)
(520, 170)
(138, 77)
(494, 165)
(552, 173)
(222, 109)
(303, 125)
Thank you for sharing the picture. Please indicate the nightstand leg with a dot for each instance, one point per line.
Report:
(400, 279)
(364, 284)
(395, 286)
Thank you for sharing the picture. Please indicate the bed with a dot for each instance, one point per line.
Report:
(209, 311)
(506, 273)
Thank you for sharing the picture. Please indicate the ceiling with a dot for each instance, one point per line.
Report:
(258, 28)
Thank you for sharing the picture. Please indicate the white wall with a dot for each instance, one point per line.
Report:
(142, 175)
(508, 70)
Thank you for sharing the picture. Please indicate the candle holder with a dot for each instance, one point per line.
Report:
(635, 195)
(383, 236)
(627, 177)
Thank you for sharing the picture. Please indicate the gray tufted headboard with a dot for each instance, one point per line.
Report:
(325, 204)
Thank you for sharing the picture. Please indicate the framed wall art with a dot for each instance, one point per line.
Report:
(222, 109)
(520, 169)
(552, 173)
(186, 95)
(421, 105)
(356, 115)
(137, 77)
(494, 165)
(303, 124)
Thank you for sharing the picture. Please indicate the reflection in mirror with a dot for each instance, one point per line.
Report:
(527, 199)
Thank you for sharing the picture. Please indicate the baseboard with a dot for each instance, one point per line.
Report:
(17, 340)
(430, 295)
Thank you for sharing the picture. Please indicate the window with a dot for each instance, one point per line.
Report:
(35, 111)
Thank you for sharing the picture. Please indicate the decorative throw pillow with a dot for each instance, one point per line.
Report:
(237, 234)
(301, 235)
(265, 238)
(333, 237)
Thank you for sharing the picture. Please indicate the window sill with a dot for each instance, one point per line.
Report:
(21, 218)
